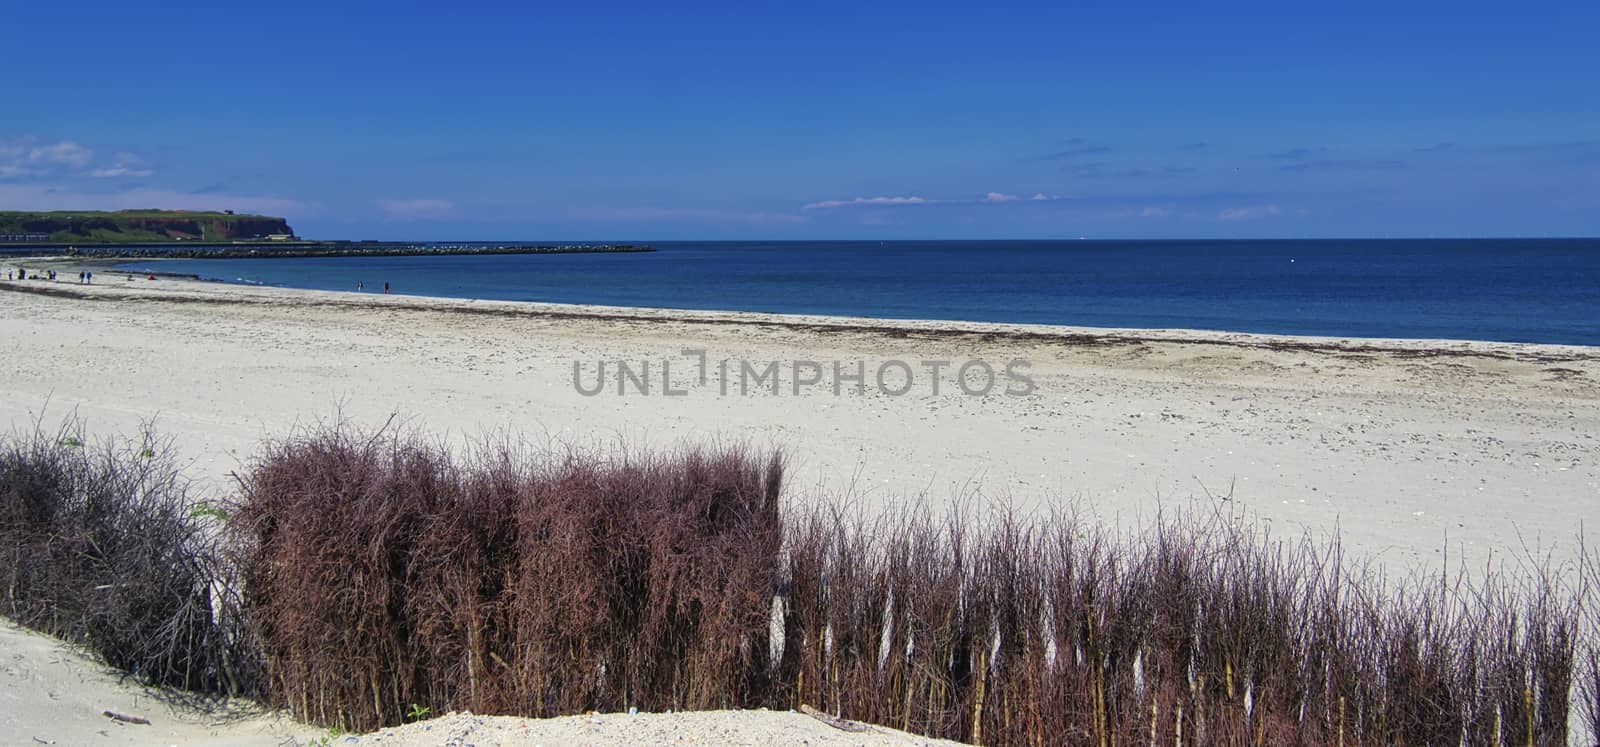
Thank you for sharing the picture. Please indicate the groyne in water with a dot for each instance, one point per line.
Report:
(280, 250)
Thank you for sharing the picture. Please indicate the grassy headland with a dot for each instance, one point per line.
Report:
(135, 226)
(193, 234)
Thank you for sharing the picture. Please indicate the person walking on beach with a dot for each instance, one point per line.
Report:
(88, 277)
(360, 286)
(385, 286)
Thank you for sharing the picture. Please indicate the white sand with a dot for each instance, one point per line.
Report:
(1406, 447)
(619, 729)
(53, 694)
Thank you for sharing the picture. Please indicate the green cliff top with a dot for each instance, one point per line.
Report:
(135, 226)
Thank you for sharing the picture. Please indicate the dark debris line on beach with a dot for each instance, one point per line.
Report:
(1524, 353)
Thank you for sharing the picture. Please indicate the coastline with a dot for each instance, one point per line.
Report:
(298, 248)
(205, 290)
(1416, 452)
(1418, 455)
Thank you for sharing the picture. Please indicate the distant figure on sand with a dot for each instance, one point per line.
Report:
(385, 286)
(88, 277)
(360, 286)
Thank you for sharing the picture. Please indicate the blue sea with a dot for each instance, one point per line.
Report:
(1522, 290)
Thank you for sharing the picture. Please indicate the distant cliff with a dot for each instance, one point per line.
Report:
(136, 226)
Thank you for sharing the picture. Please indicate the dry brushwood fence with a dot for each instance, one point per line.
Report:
(359, 578)
(380, 574)
(102, 546)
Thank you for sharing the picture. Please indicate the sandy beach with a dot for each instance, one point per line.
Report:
(52, 694)
(799, 374)
(1406, 447)
(1409, 449)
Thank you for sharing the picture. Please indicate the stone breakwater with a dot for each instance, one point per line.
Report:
(279, 250)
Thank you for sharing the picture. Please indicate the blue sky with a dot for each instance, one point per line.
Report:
(807, 120)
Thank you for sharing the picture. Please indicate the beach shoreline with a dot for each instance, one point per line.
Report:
(1408, 449)
(1415, 455)
(193, 288)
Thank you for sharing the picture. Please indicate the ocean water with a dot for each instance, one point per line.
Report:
(1523, 290)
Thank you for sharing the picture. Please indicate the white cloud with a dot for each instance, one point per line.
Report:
(64, 153)
(125, 164)
(405, 211)
(868, 201)
(47, 197)
(689, 215)
(120, 171)
(988, 198)
(28, 157)
(1148, 211)
(1253, 212)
